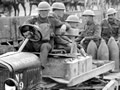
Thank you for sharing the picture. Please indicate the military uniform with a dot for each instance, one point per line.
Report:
(57, 22)
(110, 28)
(92, 31)
(43, 46)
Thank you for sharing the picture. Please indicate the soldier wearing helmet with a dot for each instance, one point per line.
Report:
(110, 26)
(71, 24)
(91, 29)
(41, 20)
(58, 22)
(73, 20)
(73, 31)
(59, 8)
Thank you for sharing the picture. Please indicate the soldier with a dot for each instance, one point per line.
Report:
(73, 31)
(57, 20)
(43, 46)
(110, 26)
(72, 23)
(91, 29)
(59, 9)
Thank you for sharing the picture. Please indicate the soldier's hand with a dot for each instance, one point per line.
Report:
(70, 41)
(63, 28)
(27, 34)
(52, 34)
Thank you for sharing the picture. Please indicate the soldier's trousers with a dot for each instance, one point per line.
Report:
(42, 48)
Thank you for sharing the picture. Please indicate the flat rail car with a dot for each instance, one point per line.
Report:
(25, 69)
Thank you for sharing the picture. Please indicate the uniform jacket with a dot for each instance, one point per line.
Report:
(57, 22)
(91, 30)
(43, 24)
(45, 30)
(110, 29)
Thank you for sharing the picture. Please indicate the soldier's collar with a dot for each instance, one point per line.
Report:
(113, 20)
(42, 20)
(90, 22)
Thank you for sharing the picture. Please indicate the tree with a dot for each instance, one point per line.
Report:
(112, 3)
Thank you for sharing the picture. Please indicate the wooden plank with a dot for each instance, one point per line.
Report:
(95, 87)
(50, 85)
(95, 72)
(113, 76)
(59, 80)
(64, 55)
(112, 85)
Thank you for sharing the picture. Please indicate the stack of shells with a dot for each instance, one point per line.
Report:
(105, 51)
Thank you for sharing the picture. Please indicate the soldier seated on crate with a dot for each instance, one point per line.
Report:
(57, 20)
(91, 29)
(41, 21)
(110, 26)
(72, 31)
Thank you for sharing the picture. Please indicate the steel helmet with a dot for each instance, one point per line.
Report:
(72, 18)
(58, 5)
(111, 11)
(43, 6)
(88, 13)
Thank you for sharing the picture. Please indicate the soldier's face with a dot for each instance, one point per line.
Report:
(112, 16)
(87, 18)
(26, 34)
(43, 13)
(59, 12)
(73, 24)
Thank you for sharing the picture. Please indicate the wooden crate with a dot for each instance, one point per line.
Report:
(67, 68)
(89, 63)
(71, 69)
(84, 64)
(55, 67)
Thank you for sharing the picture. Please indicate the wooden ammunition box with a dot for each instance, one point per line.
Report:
(71, 69)
(84, 64)
(67, 68)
